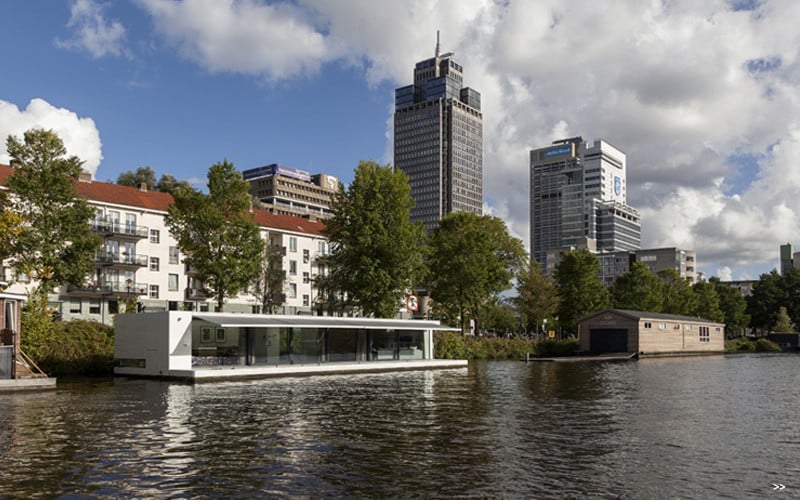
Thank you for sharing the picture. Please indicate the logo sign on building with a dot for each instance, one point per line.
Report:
(559, 151)
(617, 185)
(411, 303)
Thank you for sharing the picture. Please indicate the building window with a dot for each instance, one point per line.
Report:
(293, 267)
(292, 244)
(306, 278)
(321, 248)
(704, 334)
(292, 291)
(94, 306)
(154, 264)
(155, 236)
(306, 256)
(153, 291)
(173, 255)
(305, 300)
(75, 306)
(172, 283)
(648, 324)
(662, 326)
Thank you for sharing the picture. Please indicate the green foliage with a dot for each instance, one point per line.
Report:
(143, 175)
(763, 304)
(473, 258)
(537, 297)
(544, 347)
(77, 348)
(378, 254)
(449, 345)
(744, 344)
(56, 245)
(37, 328)
(706, 303)
(269, 285)
(579, 287)
(733, 306)
(783, 324)
(499, 316)
(677, 293)
(217, 233)
(638, 290)
(147, 176)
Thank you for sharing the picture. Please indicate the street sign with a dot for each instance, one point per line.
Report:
(411, 303)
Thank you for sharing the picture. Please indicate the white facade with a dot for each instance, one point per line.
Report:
(139, 263)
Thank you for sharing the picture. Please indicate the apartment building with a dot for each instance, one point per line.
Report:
(140, 263)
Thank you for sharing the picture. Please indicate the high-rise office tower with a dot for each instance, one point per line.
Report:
(578, 200)
(438, 140)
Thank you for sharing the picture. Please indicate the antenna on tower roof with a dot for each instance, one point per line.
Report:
(437, 43)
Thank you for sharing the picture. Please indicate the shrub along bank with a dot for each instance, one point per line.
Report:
(71, 347)
(744, 344)
(451, 345)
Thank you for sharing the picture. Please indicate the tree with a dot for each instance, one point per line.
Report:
(377, 252)
(707, 302)
(55, 245)
(217, 233)
(269, 285)
(143, 176)
(580, 288)
(783, 324)
(169, 184)
(499, 316)
(537, 297)
(765, 300)
(679, 298)
(638, 289)
(733, 306)
(473, 258)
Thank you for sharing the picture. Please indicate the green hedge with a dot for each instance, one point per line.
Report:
(72, 348)
(744, 344)
(451, 345)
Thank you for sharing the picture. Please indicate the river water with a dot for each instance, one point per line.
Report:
(710, 427)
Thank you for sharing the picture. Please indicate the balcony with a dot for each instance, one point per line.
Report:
(119, 230)
(97, 289)
(195, 294)
(121, 260)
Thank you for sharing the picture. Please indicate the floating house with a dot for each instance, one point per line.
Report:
(649, 334)
(201, 346)
(17, 371)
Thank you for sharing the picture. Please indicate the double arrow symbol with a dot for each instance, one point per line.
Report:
(778, 487)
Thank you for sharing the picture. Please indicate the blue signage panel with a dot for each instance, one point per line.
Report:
(560, 150)
(617, 185)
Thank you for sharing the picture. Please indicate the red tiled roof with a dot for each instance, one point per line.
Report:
(106, 192)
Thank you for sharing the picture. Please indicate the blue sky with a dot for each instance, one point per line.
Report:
(701, 95)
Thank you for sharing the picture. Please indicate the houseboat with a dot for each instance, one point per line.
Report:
(201, 346)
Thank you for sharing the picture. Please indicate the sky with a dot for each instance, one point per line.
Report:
(702, 95)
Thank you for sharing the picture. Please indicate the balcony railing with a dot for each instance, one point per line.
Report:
(109, 288)
(122, 260)
(113, 228)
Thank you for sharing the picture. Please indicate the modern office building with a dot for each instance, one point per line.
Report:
(438, 140)
(289, 191)
(578, 200)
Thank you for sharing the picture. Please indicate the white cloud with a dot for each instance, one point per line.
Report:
(80, 135)
(682, 87)
(247, 36)
(92, 32)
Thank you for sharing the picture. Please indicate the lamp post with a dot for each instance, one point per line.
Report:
(544, 327)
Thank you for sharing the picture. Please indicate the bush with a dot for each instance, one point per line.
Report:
(548, 347)
(73, 348)
(744, 344)
(451, 345)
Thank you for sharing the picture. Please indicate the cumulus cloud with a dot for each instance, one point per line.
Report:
(702, 96)
(80, 135)
(92, 32)
(247, 37)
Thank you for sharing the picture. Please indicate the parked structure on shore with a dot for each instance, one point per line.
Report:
(650, 334)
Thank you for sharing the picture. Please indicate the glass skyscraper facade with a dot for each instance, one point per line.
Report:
(438, 140)
(578, 200)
